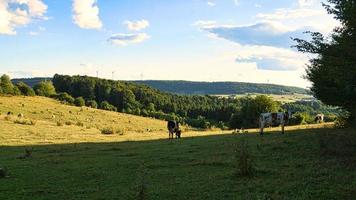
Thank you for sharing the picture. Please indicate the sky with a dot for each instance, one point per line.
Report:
(198, 40)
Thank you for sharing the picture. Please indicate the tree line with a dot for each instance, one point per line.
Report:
(200, 111)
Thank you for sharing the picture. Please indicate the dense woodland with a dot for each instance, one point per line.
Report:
(220, 88)
(202, 88)
(200, 111)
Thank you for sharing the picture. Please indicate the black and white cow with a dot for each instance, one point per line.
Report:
(173, 128)
(319, 118)
(274, 119)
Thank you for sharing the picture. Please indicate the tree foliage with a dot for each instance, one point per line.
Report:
(333, 69)
(45, 88)
(25, 89)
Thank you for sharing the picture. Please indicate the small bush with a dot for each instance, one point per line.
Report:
(68, 123)
(120, 131)
(107, 131)
(79, 102)
(81, 124)
(92, 104)
(65, 98)
(245, 165)
(2, 173)
(59, 123)
(25, 121)
(107, 106)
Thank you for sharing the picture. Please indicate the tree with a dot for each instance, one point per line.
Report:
(25, 89)
(251, 110)
(332, 71)
(107, 106)
(92, 104)
(6, 84)
(45, 88)
(79, 101)
(65, 97)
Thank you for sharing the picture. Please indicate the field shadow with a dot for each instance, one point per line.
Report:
(191, 168)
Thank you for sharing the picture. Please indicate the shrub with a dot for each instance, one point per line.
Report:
(245, 165)
(92, 104)
(65, 97)
(79, 124)
(59, 123)
(2, 173)
(45, 88)
(120, 131)
(107, 106)
(25, 89)
(107, 131)
(68, 123)
(79, 101)
(25, 121)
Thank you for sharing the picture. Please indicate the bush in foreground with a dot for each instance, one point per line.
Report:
(79, 101)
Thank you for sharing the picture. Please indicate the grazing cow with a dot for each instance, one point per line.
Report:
(173, 128)
(20, 115)
(319, 118)
(274, 119)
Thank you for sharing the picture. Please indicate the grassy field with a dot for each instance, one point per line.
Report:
(78, 162)
(285, 98)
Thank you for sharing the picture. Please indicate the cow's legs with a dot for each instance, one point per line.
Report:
(261, 128)
(283, 126)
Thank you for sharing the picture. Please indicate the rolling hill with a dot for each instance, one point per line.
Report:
(204, 88)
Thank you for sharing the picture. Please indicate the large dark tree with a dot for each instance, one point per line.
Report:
(333, 70)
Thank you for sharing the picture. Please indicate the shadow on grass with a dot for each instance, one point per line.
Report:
(288, 166)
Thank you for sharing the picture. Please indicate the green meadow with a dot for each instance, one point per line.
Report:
(44, 160)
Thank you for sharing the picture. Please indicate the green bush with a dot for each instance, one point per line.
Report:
(6, 85)
(107, 131)
(65, 97)
(245, 165)
(45, 88)
(25, 89)
(107, 106)
(92, 104)
(79, 101)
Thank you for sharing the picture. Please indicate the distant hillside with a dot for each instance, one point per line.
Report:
(221, 88)
(204, 88)
(30, 81)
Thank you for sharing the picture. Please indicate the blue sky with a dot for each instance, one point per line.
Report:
(203, 40)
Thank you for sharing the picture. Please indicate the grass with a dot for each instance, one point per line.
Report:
(46, 161)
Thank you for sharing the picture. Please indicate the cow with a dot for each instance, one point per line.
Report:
(173, 128)
(274, 119)
(319, 118)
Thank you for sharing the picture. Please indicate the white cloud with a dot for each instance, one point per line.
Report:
(21, 12)
(137, 25)
(125, 39)
(306, 3)
(237, 2)
(283, 14)
(211, 4)
(204, 24)
(86, 14)
(271, 58)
